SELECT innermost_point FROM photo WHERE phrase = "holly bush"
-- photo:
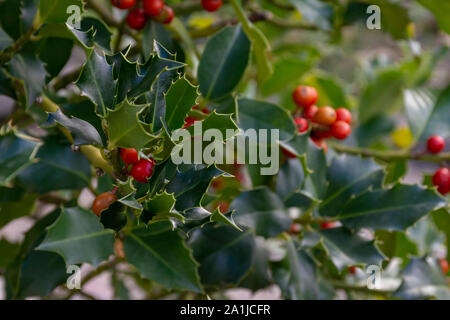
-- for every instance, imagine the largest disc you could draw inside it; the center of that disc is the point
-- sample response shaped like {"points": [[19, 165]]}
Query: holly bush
{"points": [[92, 92]]}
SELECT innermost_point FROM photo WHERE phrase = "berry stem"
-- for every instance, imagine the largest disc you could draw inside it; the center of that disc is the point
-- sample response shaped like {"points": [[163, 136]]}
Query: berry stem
{"points": [[389, 155]]}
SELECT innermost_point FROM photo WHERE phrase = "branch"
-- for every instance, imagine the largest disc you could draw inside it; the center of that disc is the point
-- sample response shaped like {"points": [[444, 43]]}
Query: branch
{"points": [[9, 52], [389, 155]]}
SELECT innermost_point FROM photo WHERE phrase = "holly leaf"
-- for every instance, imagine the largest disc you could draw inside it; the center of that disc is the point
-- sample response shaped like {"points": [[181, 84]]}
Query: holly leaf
{"points": [[83, 132], [349, 176], [58, 168], [257, 115], [220, 122], [438, 8], [160, 61], [158, 207], [31, 71], [440, 117], [190, 186], [160, 255], [17, 153], [289, 178], [315, 12], [8, 252], [419, 106], [5, 40], [316, 180], [15, 203], [301, 281], [259, 275], [126, 73], [423, 278], [179, 99], [125, 129], [79, 237], [223, 62], [348, 248], [260, 45], [224, 253], [263, 211], [392, 209], [97, 83]]}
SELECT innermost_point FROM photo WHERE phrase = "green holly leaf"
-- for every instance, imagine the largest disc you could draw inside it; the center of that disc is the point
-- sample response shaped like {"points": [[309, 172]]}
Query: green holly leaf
{"points": [[198, 217], [315, 12], [190, 186], [223, 62], [438, 8], [253, 114], [224, 253], [126, 73], [259, 275], [8, 252], [316, 180], [160, 61], [17, 153], [156, 98], [440, 117], [101, 33], [159, 207], [160, 255], [289, 178], [125, 129], [263, 211], [15, 203], [79, 237], [301, 281], [179, 99], [35, 273], [392, 209], [347, 177], [57, 12], [297, 145], [348, 248], [58, 168], [114, 217], [5, 40], [418, 106], [97, 83], [83, 132], [31, 71], [54, 52], [220, 122], [423, 278], [260, 45]]}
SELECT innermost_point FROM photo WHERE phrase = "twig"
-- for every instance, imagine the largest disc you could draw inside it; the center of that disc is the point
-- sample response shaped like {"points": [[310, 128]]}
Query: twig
{"points": [[389, 155], [9, 52]]}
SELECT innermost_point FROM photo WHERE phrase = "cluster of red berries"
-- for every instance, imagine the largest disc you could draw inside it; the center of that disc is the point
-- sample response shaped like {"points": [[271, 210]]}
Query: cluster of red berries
{"points": [[141, 169], [189, 120], [326, 121], [137, 17], [441, 178], [211, 5]]}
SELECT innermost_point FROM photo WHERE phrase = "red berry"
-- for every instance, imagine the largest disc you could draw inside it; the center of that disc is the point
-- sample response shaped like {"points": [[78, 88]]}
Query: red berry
{"points": [[305, 96], [295, 228], [441, 179], [136, 19], [343, 114], [223, 206], [123, 4], [352, 270], [129, 156], [142, 170], [211, 5], [302, 124], [328, 225], [189, 121], [103, 201], [321, 134], [310, 111], [444, 265], [435, 144], [340, 130], [166, 15], [325, 116], [153, 7]]}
